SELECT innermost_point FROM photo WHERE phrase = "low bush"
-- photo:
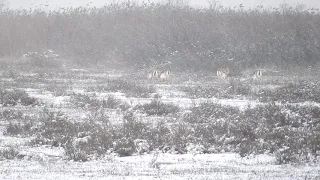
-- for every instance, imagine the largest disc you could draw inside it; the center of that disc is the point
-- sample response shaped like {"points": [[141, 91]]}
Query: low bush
{"points": [[8, 153], [14, 97], [113, 103], [160, 135], [158, 108], [215, 126], [85, 100], [19, 128], [208, 112], [124, 146], [292, 92], [130, 130], [234, 88], [90, 100], [59, 89], [90, 138], [133, 128], [201, 92], [95, 137], [45, 59], [11, 114], [290, 132], [80, 139], [10, 74], [237, 88], [130, 89]]}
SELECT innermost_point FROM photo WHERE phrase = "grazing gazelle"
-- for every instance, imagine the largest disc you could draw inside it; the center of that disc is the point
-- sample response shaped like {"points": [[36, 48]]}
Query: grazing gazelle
{"points": [[153, 74], [257, 74], [223, 73], [164, 75]]}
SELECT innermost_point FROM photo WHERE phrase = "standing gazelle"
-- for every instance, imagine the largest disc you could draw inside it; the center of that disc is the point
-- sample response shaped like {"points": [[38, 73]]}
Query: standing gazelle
{"points": [[164, 75], [257, 74], [223, 73], [153, 74]]}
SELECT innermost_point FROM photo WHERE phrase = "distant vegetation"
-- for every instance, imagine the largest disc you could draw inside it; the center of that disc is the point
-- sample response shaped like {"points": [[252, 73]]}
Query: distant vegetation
{"points": [[142, 35]]}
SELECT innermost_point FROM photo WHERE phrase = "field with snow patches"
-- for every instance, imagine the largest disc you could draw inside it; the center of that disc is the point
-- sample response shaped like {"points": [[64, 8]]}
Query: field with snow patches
{"points": [[77, 95]]}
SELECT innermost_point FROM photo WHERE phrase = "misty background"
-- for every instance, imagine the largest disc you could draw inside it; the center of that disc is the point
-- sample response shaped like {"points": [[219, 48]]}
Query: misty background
{"points": [[128, 34]]}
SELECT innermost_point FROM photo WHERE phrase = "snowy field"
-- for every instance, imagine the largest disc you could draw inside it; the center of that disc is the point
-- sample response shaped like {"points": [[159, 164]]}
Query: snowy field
{"points": [[48, 162], [215, 166], [159, 91]]}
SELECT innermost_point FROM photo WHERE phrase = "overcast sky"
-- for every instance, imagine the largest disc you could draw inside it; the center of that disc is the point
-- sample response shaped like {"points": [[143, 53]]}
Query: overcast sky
{"points": [[63, 3]]}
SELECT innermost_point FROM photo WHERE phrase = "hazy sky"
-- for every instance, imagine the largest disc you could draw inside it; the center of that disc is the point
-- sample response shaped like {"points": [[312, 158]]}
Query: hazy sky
{"points": [[63, 3]]}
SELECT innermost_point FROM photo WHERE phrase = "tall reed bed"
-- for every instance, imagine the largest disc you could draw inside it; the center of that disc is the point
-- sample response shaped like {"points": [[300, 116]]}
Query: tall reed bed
{"points": [[189, 37]]}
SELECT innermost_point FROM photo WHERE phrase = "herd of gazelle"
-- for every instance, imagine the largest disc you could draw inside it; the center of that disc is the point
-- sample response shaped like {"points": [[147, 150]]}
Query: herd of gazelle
{"points": [[157, 74], [222, 73]]}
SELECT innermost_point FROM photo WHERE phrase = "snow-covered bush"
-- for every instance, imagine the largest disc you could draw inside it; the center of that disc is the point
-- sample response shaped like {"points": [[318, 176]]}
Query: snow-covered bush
{"points": [[85, 100], [8, 153], [173, 149], [45, 59], [195, 148], [134, 128], [142, 146], [10, 74], [210, 112], [16, 96], [201, 91], [290, 132], [237, 88], [90, 100], [160, 135], [17, 128], [10, 114], [124, 146], [158, 108], [111, 102], [96, 136], [292, 92], [79, 147], [130, 89], [233, 88], [79, 139]]}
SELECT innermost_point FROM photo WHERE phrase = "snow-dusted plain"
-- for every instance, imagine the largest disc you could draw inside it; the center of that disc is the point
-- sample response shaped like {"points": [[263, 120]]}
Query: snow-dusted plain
{"points": [[215, 166], [47, 162]]}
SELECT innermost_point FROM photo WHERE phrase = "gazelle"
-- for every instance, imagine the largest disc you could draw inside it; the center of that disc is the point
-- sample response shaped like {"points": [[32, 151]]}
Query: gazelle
{"points": [[257, 74], [223, 73], [164, 75], [153, 74]]}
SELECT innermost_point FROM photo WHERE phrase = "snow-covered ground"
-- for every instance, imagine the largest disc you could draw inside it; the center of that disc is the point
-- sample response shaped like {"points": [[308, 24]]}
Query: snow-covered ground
{"points": [[213, 166], [46, 162]]}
